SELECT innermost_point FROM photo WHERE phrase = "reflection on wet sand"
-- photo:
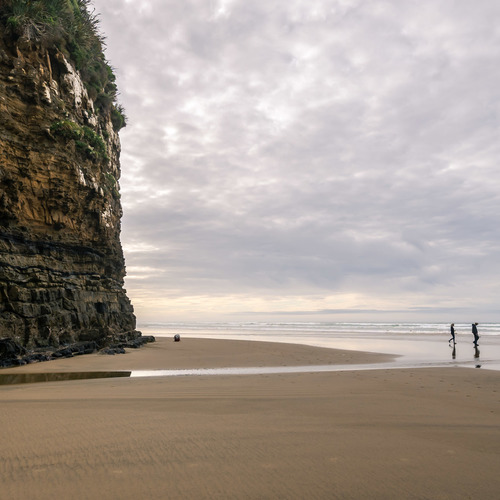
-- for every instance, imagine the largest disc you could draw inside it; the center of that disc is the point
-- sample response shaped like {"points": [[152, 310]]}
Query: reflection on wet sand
{"points": [[476, 355], [30, 378]]}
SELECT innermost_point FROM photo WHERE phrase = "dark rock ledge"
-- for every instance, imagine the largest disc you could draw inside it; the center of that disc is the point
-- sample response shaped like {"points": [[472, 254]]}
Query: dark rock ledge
{"points": [[14, 354]]}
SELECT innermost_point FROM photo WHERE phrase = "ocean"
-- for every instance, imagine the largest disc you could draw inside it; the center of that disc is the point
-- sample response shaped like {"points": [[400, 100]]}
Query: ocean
{"points": [[415, 344], [313, 329]]}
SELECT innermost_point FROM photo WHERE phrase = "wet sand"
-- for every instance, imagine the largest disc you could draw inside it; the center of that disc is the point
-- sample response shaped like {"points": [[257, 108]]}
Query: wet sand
{"points": [[377, 434]]}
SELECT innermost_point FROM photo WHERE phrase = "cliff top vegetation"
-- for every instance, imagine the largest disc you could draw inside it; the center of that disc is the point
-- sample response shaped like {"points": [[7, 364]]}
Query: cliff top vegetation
{"points": [[71, 27]]}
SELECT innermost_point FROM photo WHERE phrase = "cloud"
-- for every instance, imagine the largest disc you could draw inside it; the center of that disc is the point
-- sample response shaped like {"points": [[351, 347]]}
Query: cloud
{"points": [[303, 149]]}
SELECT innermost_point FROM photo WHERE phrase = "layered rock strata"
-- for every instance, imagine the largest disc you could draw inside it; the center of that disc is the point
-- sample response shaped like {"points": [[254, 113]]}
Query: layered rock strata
{"points": [[61, 261]]}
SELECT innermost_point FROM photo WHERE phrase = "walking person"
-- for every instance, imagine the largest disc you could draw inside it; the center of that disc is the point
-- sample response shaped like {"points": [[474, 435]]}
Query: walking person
{"points": [[474, 332], [452, 331]]}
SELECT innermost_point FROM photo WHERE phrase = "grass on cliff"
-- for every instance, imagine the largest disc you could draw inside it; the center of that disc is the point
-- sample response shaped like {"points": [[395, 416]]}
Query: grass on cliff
{"points": [[73, 28], [86, 140]]}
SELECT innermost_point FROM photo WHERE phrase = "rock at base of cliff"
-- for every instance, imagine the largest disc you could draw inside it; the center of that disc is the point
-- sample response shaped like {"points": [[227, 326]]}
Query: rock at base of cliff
{"points": [[14, 354]]}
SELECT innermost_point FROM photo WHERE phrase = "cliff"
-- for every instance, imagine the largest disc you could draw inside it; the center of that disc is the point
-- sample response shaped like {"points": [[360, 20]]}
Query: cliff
{"points": [[61, 261]]}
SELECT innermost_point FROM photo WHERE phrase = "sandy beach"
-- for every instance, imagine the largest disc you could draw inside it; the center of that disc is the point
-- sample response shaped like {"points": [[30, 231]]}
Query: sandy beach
{"points": [[426, 433]]}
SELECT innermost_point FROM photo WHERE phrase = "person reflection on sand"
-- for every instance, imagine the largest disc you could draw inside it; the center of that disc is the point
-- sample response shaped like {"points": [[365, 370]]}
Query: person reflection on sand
{"points": [[476, 355], [454, 352]]}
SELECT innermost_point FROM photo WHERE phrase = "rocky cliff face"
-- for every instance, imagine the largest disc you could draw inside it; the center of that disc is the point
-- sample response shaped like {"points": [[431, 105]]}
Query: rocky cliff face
{"points": [[61, 262]]}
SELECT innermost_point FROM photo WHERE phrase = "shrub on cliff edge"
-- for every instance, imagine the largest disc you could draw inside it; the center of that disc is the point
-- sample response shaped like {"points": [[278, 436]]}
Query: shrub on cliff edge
{"points": [[74, 30]]}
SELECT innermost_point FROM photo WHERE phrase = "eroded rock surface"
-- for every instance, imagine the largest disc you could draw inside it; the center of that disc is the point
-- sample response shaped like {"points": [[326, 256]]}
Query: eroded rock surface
{"points": [[61, 261]]}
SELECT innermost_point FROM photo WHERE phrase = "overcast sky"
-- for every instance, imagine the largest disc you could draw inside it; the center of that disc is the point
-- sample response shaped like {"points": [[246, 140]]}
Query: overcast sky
{"points": [[309, 159]]}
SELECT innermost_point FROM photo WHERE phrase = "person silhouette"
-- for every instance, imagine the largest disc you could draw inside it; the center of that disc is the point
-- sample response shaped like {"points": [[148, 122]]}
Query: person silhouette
{"points": [[452, 331], [474, 332]]}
